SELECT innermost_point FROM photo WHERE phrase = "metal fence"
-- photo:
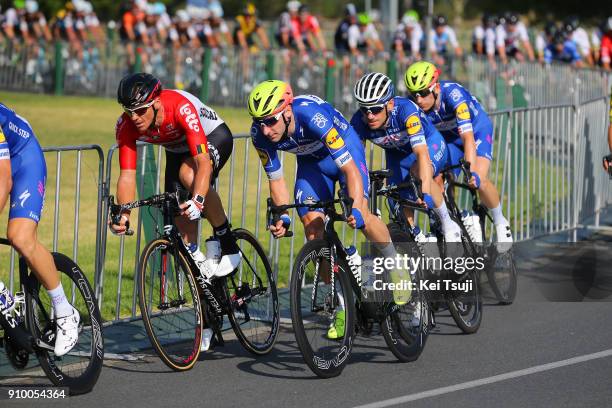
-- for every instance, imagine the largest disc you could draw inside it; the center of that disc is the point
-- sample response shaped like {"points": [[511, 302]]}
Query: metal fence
{"points": [[546, 166]]}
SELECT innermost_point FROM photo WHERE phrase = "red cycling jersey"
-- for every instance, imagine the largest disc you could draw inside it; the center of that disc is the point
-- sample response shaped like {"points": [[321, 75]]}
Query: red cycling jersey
{"points": [[187, 121]]}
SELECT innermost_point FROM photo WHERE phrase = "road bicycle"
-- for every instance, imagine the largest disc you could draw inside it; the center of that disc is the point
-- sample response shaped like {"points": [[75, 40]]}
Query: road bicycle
{"points": [[464, 299], [29, 327], [323, 285], [176, 300], [499, 258]]}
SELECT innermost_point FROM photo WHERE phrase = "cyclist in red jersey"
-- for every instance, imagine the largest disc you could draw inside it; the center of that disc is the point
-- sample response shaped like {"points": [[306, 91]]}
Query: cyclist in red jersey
{"points": [[197, 143]]}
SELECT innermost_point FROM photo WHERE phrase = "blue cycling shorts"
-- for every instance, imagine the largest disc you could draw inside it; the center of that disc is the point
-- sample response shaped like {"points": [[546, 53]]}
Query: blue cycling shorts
{"points": [[401, 164], [29, 174], [315, 180]]}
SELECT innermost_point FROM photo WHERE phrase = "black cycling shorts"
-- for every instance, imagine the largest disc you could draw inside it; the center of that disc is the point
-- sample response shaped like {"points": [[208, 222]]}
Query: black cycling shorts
{"points": [[220, 145]]}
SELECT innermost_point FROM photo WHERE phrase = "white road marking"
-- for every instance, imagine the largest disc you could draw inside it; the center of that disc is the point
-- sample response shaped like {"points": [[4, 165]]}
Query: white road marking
{"points": [[488, 380]]}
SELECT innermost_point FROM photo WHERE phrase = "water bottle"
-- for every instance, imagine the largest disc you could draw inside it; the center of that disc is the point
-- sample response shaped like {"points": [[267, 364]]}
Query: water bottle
{"points": [[354, 260]]}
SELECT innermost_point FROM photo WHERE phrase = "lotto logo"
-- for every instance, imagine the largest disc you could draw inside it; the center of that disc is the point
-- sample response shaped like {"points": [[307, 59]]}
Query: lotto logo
{"points": [[319, 120], [413, 125], [334, 140], [463, 113], [190, 117]]}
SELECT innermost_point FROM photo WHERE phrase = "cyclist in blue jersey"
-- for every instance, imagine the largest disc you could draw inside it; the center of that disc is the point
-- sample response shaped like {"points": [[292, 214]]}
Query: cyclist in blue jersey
{"points": [[328, 151], [467, 129], [412, 144], [23, 174]]}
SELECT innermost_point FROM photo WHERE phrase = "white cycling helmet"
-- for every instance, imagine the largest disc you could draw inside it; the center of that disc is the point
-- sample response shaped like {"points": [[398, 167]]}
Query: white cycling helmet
{"points": [[88, 7], [373, 88], [31, 6], [216, 9], [183, 16], [293, 6]]}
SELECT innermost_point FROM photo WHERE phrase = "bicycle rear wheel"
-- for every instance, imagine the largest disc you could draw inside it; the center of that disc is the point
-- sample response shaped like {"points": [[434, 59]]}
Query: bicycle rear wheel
{"points": [[80, 368], [406, 328], [319, 291], [170, 304], [254, 312]]}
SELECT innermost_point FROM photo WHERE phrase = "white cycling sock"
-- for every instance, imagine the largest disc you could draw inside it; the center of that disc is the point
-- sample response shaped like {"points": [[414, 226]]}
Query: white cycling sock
{"points": [[445, 218], [498, 215], [60, 303]]}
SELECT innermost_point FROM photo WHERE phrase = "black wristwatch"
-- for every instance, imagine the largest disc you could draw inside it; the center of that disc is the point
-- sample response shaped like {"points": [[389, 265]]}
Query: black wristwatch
{"points": [[199, 199]]}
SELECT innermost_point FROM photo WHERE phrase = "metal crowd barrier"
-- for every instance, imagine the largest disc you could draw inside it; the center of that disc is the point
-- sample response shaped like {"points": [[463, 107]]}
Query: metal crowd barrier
{"points": [[77, 234], [547, 167]]}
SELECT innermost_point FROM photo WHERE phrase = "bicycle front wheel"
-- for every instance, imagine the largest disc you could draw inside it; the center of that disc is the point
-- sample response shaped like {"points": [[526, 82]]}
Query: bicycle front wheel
{"points": [[80, 368], [321, 295], [406, 328], [170, 304], [254, 312]]}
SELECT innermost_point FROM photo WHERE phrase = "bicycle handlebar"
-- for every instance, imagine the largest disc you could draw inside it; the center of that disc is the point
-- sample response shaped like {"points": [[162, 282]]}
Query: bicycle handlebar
{"points": [[273, 212]]}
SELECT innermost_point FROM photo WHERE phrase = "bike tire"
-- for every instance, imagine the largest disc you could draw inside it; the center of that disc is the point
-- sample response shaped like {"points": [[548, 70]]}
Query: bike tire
{"points": [[466, 314], [174, 325], [253, 281], [504, 289], [404, 336], [80, 368], [329, 360]]}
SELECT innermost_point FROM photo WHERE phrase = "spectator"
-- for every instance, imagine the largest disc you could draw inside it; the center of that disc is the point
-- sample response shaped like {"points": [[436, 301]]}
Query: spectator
{"points": [[562, 49], [512, 39], [483, 38], [605, 49], [579, 35], [408, 38], [443, 41]]}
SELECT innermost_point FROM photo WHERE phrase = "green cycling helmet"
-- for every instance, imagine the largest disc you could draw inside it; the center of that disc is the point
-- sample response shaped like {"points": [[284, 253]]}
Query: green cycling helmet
{"points": [[268, 98], [363, 19], [421, 75]]}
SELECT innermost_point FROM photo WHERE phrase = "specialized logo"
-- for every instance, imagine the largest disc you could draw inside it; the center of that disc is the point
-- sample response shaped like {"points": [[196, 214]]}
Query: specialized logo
{"points": [[463, 113], [413, 125], [190, 117], [263, 156], [334, 140], [319, 120], [24, 196]]}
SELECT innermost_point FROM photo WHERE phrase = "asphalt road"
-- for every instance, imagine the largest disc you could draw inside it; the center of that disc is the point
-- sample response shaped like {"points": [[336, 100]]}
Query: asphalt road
{"points": [[552, 347]]}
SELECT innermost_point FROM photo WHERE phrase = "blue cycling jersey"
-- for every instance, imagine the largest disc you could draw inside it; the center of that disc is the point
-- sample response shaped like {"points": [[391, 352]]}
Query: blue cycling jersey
{"points": [[569, 53], [459, 112], [320, 132], [15, 132], [28, 169], [323, 141], [406, 128]]}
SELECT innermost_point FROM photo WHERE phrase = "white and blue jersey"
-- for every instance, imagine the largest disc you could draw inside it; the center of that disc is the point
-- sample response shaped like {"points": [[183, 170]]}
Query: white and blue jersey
{"points": [[28, 168], [460, 112], [406, 128], [323, 141]]}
